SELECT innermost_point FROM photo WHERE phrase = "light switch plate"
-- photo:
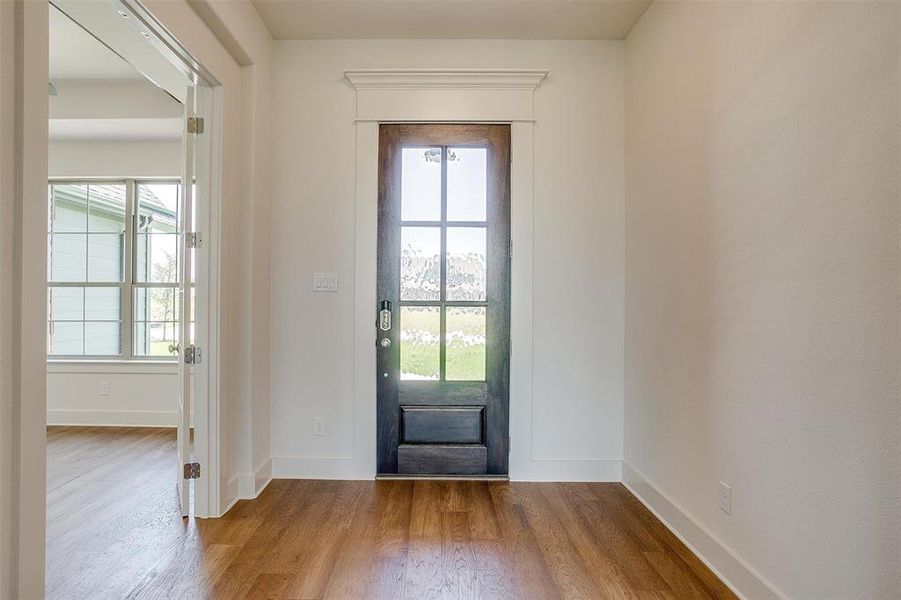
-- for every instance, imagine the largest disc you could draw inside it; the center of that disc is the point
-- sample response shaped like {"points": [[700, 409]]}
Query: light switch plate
{"points": [[325, 282]]}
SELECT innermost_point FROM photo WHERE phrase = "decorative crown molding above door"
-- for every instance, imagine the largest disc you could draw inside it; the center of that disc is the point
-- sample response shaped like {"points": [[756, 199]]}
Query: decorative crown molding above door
{"points": [[447, 78], [442, 95]]}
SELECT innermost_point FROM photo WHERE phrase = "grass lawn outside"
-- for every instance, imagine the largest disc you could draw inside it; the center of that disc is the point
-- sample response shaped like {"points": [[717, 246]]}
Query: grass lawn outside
{"points": [[420, 339]]}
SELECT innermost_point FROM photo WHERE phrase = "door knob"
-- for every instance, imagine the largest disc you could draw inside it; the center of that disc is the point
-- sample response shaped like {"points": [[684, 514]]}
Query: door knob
{"points": [[173, 349]]}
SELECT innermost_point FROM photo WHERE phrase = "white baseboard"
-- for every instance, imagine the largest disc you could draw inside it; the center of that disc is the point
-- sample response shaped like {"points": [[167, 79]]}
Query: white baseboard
{"points": [[302, 467], [112, 418], [732, 570], [248, 487], [231, 494], [567, 470]]}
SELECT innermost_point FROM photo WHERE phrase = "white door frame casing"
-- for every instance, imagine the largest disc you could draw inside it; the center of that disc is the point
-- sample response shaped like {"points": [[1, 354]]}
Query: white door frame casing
{"points": [[29, 314], [433, 96]]}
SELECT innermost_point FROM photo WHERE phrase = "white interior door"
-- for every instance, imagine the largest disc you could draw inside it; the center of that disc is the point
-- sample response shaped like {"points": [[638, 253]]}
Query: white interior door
{"points": [[186, 465], [202, 334]]}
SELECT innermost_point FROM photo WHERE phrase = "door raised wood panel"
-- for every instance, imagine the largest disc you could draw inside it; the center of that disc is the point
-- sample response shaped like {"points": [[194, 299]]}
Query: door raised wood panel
{"points": [[442, 460], [443, 393], [442, 425]]}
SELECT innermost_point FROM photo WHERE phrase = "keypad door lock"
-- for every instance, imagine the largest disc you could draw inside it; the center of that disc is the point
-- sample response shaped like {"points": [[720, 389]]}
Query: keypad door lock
{"points": [[385, 315]]}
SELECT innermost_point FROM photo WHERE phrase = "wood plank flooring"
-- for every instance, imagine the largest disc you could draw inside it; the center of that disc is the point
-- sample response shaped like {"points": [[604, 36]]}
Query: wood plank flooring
{"points": [[114, 531]]}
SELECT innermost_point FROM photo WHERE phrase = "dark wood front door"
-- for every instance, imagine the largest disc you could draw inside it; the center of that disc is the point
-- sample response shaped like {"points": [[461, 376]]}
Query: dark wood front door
{"points": [[443, 314]]}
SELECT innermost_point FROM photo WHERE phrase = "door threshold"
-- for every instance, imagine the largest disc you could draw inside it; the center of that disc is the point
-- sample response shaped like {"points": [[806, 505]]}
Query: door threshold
{"points": [[410, 476]]}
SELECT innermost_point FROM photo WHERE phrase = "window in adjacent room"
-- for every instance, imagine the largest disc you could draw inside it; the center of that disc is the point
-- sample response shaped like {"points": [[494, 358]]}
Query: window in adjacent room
{"points": [[113, 254]]}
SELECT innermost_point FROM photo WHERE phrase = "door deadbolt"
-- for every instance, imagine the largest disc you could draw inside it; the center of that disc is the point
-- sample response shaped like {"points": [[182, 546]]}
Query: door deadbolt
{"points": [[385, 342]]}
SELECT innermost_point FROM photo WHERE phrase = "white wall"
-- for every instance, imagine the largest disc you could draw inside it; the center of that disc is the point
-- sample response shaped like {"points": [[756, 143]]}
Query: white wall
{"points": [[578, 241], [762, 282], [140, 394], [112, 99], [115, 159]]}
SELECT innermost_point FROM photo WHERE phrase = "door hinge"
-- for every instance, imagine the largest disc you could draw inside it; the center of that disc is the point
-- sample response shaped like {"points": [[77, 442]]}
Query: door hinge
{"points": [[194, 240], [195, 124], [192, 470], [193, 355]]}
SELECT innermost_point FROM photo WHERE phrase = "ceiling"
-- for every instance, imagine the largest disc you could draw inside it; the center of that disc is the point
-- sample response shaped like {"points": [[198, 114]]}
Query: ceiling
{"points": [[471, 19], [76, 54]]}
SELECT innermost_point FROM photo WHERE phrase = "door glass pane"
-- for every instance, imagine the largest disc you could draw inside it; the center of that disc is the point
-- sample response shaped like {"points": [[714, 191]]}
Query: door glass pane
{"points": [[420, 268], [420, 188], [466, 260], [106, 208], [69, 209], [465, 350], [467, 184], [68, 254], [420, 335]]}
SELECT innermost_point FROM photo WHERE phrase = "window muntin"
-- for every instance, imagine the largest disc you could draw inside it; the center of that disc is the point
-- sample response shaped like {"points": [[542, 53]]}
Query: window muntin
{"points": [[113, 253]]}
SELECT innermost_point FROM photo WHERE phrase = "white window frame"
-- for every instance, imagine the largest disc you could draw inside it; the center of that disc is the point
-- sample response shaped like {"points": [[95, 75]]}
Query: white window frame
{"points": [[128, 285]]}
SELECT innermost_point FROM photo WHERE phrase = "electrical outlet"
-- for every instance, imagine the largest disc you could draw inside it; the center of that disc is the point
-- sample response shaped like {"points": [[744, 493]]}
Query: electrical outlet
{"points": [[725, 498], [104, 388], [318, 425]]}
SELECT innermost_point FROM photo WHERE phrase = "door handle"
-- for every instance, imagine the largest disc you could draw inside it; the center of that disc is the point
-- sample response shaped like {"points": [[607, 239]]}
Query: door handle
{"points": [[385, 315]]}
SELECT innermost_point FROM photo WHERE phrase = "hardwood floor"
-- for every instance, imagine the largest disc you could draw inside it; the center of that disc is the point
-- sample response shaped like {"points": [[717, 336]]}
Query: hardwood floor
{"points": [[114, 531]]}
